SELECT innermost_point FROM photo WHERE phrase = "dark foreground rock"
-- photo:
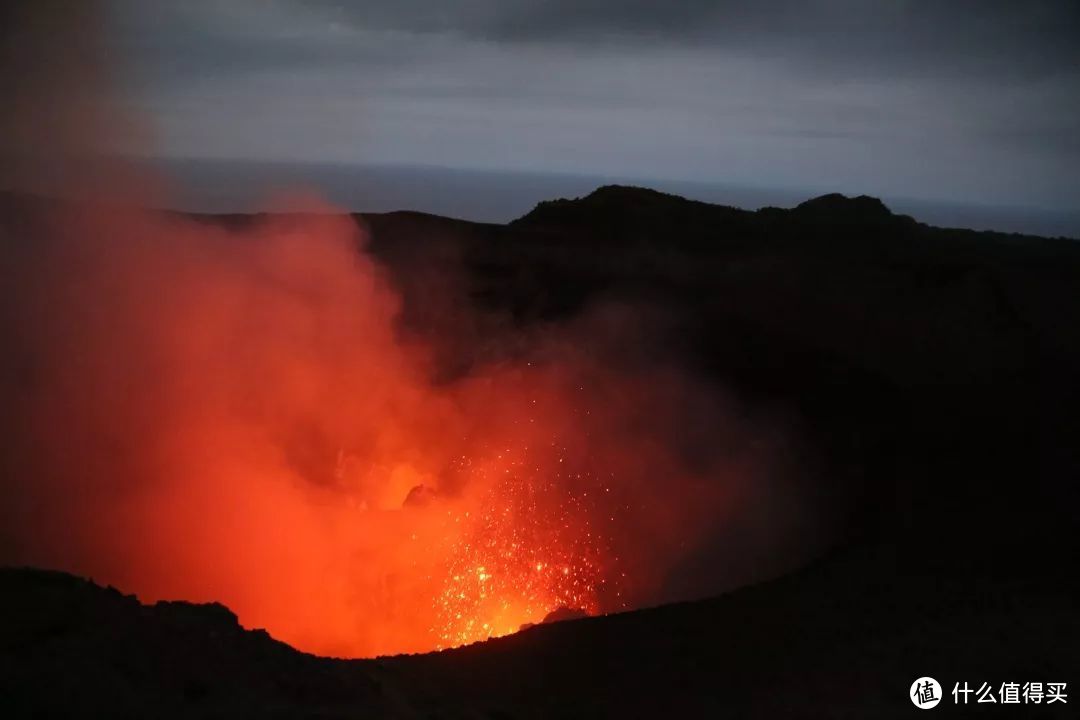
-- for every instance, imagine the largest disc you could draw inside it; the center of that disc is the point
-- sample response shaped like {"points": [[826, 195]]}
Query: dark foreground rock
{"points": [[71, 648], [842, 638]]}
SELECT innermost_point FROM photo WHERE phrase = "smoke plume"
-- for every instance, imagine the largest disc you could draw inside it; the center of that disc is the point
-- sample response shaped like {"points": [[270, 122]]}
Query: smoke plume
{"points": [[205, 410]]}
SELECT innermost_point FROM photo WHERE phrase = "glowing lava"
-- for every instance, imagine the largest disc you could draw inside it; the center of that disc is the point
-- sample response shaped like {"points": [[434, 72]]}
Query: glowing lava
{"points": [[528, 551]]}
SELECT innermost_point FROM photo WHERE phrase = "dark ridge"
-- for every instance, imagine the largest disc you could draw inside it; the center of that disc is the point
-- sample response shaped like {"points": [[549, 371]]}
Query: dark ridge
{"points": [[629, 216], [641, 202], [835, 205], [625, 217], [624, 205], [621, 196]]}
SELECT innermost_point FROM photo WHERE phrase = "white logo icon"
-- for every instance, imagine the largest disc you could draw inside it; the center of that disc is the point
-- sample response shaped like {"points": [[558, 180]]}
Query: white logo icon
{"points": [[925, 693]]}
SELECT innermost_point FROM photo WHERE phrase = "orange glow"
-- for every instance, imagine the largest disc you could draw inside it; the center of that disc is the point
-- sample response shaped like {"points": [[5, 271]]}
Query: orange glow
{"points": [[232, 411], [227, 415], [524, 553]]}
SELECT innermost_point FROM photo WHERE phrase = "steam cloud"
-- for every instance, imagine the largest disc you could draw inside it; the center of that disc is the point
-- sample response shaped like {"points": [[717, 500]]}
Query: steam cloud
{"points": [[208, 412]]}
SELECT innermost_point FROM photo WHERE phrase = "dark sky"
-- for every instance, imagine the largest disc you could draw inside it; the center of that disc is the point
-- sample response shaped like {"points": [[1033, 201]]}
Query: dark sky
{"points": [[969, 100]]}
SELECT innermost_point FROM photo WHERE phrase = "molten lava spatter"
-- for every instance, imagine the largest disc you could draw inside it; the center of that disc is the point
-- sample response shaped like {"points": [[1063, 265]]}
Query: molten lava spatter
{"points": [[527, 551]]}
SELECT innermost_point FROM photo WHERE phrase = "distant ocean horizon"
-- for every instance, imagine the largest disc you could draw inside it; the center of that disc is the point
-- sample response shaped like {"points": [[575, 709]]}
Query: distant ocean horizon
{"points": [[224, 186]]}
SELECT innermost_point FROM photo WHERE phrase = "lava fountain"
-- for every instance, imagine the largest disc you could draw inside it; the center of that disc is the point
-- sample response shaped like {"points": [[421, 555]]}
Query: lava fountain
{"points": [[528, 551]]}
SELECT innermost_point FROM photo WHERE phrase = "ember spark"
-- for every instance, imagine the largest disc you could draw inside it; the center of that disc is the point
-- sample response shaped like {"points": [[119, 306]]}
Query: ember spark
{"points": [[528, 551]]}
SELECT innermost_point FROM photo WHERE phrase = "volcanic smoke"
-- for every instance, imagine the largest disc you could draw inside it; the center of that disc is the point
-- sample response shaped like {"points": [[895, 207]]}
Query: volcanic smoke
{"points": [[234, 412]]}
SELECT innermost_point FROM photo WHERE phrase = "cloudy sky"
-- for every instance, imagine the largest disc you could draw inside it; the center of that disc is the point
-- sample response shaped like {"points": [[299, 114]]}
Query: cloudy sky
{"points": [[971, 101]]}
